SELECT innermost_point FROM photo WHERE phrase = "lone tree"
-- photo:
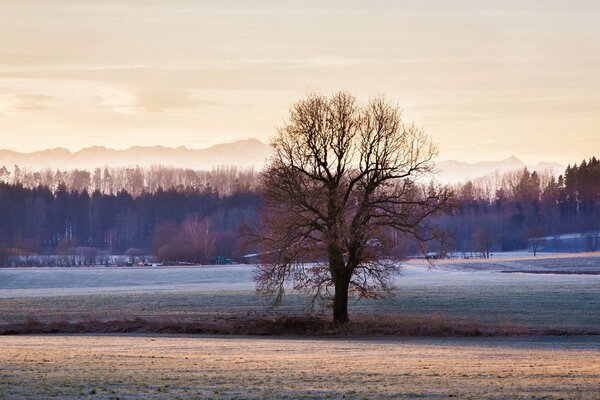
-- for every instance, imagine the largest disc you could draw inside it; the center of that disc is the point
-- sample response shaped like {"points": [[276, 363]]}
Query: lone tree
{"points": [[339, 191], [537, 238]]}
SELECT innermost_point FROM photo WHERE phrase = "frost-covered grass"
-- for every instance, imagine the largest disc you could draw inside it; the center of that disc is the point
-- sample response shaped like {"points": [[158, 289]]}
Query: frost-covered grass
{"points": [[110, 367], [27, 282], [472, 293], [465, 291], [30, 282], [547, 304], [518, 261]]}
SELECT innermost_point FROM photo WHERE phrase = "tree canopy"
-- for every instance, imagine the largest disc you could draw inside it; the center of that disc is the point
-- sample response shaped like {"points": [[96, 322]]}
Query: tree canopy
{"points": [[339, 192]]}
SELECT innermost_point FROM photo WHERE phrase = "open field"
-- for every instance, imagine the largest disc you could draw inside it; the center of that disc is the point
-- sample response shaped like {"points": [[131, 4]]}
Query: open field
{"points": [[475, 294], [108, 367], [472, 292], [561, 263], [31, 282]]}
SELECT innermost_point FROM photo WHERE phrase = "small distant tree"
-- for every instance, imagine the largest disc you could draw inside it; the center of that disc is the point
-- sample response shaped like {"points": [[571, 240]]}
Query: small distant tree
{"points": [[483, 240], [340, 184], [592, 240], [136, 254], [193, 241], [4, 174], [536, 238], [198, 233]]}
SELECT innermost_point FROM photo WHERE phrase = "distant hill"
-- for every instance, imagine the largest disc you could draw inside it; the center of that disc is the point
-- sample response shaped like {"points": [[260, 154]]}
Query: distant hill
{"points": [[243, 153], [457, 171]]}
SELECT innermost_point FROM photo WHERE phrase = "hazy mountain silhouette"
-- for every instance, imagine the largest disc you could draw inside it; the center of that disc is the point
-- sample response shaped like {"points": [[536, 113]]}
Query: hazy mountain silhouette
{"points": [[457, 171], [243, 153]]}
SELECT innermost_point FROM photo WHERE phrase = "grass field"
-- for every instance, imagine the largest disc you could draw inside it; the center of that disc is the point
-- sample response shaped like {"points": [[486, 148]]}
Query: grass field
{"points": [[474, 292], [111, 367], [553, 306], [455, 293]]}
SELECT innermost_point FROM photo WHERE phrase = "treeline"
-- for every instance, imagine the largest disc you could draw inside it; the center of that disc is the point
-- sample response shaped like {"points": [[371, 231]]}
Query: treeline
{"points": [[178, 224], [195, 216], [136, 180], [525, 209]]}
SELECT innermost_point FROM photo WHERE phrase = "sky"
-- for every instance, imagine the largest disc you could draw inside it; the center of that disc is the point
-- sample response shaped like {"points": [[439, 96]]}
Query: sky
{"points": [[486, 79]]}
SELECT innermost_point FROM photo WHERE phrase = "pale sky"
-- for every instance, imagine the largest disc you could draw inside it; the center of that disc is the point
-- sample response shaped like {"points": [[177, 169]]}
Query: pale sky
{"points": [[486, 79]]}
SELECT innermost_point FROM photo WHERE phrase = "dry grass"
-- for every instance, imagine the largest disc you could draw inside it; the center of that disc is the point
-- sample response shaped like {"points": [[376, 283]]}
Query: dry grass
{"points": [[384, 325], [186, 367]]}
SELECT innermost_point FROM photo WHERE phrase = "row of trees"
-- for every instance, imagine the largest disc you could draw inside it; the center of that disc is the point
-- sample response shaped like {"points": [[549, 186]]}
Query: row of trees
{"points": [[223, 180], [523, 209], [42, 221], [505, 212]]}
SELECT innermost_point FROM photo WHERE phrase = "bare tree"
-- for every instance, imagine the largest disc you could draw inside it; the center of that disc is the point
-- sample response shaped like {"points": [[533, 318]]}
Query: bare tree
{"points": [[483, 240], [537, 239], [341, 182], [200, 235]]}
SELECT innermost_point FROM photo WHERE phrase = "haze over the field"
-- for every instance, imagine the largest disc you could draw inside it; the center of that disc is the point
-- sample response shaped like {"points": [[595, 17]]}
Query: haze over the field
{"points": [[486, 79]]}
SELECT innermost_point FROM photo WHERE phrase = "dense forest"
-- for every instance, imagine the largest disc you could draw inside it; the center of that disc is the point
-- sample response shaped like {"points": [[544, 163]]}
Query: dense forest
{"points": [[195, 216], [188, 224], [527, 210]]}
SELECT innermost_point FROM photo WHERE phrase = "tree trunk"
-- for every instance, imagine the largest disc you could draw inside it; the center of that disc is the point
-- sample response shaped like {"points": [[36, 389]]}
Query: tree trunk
{"points": [[340, 301]]}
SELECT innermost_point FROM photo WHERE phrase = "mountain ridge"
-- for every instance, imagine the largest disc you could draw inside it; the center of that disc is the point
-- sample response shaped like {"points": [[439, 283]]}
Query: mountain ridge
{"points": [[243, 153], [452, 171]]}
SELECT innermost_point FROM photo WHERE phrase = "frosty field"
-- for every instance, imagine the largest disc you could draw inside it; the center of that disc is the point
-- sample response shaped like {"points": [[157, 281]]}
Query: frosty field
{"points": [[481, 292], [111, 367], [559, 294]]}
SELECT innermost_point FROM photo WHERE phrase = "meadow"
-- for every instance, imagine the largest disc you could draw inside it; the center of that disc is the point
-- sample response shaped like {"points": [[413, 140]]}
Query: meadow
{"points": [[112, 367], [473, 292], [459, 329]]}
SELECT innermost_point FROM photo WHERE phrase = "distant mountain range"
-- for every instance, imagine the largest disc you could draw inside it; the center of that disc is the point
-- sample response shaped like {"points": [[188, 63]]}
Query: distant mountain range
{"points": [[457, 171], [243, 153]]}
